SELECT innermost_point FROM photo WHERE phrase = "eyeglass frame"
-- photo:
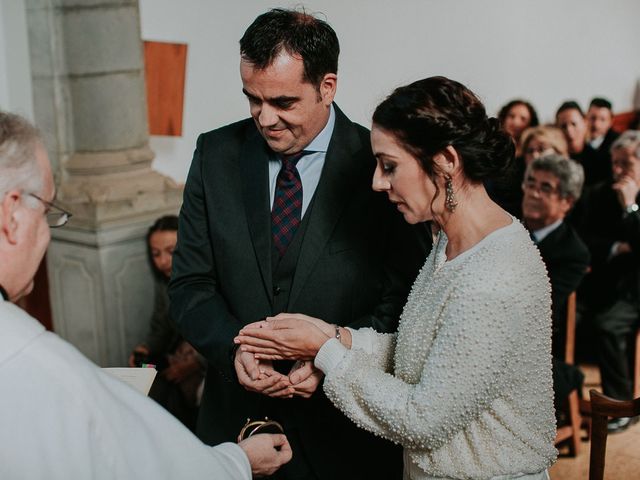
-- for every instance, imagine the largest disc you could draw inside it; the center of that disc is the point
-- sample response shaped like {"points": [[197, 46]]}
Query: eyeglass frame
{"points": [[64, 214], [539, 188]]}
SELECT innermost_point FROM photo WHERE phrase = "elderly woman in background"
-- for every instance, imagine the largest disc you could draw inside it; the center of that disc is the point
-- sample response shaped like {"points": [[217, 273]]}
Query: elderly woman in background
{"points": [[465, 384]]}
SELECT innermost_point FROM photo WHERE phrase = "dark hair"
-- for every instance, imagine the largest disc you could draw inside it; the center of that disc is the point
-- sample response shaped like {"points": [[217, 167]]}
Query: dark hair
{"points": [[428, 115], [569, 105], [297, 33], [504, 111], [600, 102], [162, 224]]}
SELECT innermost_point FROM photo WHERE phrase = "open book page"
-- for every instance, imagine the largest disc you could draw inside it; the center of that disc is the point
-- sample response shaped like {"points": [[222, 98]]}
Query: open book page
{"points": [[139, 378]]}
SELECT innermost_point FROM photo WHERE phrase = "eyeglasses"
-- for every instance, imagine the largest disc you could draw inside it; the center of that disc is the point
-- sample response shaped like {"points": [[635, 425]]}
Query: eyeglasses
{"points": [[56, 216], [544, 188]]}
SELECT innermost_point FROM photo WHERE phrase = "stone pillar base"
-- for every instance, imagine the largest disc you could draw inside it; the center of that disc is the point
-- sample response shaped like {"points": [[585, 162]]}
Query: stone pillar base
{"points": [[115, 188]]}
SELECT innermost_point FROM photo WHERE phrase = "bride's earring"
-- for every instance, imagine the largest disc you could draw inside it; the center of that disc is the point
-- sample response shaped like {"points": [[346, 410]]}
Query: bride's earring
{"points": [[450, 200]]}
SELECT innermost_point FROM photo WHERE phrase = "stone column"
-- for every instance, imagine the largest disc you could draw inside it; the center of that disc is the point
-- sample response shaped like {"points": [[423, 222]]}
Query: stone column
{"points": [[89, 99]]}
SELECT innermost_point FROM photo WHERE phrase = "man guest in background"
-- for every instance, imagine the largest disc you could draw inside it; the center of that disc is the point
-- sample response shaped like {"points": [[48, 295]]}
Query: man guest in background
{"points": [[551, 186], [279, 216], [601, 135], [609, 221], [61, 416]]}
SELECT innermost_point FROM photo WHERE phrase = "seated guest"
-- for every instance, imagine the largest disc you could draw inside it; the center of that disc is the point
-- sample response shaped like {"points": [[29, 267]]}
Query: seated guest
{"points": [[570, 119], [181, 369], [601, 135], [61, 415], [516, 116], [600, 123], [609, 222], [542, 140], [534, 142], [551, 187]]}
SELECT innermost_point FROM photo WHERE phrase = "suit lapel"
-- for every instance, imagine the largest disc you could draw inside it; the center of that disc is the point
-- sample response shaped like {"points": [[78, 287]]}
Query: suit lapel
{"points": [[254, 165], [330, 198]]}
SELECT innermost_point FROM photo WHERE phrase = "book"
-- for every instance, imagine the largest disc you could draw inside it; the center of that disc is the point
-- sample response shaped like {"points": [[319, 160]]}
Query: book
{"points": [[139, 378]]}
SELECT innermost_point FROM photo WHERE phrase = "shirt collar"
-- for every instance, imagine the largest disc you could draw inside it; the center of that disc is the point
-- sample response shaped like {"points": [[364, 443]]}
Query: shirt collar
{"points": [[4, 293], [544, 231], [596, 142], [321, 142]]}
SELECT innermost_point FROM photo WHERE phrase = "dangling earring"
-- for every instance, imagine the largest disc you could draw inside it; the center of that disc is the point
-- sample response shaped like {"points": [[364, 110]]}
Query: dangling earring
{"points": [[450, 199]]}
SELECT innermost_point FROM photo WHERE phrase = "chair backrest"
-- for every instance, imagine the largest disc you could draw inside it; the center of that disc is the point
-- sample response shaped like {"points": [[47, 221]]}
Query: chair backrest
{"points": [[570, 339], [603, 407]]}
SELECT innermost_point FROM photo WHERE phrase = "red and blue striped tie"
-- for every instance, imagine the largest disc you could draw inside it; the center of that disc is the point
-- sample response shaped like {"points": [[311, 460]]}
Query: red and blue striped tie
{"points": [[287, 203]]}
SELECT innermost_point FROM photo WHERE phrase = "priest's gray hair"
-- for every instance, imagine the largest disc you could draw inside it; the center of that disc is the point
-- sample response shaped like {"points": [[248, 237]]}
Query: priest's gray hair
{"points": [[19, 168]]}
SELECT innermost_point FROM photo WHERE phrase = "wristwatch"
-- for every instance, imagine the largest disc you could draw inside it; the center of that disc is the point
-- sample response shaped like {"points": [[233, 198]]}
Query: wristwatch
{"points": [[629, 209]]}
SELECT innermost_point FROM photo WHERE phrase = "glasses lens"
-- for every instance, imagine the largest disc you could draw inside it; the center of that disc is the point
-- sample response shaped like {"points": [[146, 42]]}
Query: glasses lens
{"points": [[57, 219]]}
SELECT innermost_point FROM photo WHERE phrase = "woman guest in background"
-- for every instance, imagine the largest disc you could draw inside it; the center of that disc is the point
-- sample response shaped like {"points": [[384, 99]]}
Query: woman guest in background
{"points": [[465, 383], [542, 140], [181, 369], [516, 116]]}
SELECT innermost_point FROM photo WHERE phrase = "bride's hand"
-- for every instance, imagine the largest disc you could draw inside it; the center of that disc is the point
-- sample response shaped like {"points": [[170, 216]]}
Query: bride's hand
{"points": [[286, 336]]}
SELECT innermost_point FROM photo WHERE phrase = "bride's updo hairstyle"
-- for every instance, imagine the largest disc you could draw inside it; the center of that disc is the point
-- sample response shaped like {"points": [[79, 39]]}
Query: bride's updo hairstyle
{"points": [[428, 115]]}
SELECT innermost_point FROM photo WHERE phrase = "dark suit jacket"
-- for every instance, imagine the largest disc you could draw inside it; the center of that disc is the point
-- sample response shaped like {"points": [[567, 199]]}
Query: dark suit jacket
{"points": [[600, 221], [597, 162], [356, 262], [567, 258]]}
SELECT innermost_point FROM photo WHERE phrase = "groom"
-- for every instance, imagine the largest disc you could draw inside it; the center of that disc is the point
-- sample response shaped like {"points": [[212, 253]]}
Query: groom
{"points": [[279, 216]]}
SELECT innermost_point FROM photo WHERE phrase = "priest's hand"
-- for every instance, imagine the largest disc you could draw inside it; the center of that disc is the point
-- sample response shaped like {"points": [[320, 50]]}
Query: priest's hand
{"points": [[266, 452]]}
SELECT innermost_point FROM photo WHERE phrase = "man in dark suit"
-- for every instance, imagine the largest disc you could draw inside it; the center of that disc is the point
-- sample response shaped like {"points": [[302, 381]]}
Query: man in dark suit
{"points": [[601, 136], [595, 161], [552, 184], [609, 221], [551, 187], [279, 216]]}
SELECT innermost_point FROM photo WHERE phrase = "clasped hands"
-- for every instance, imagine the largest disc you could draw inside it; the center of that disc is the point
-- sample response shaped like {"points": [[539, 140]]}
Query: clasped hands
{"points": [[287, 336]]}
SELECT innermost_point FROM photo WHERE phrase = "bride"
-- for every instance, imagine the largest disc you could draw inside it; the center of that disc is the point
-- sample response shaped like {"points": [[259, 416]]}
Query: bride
{"points": [[465, 384]]}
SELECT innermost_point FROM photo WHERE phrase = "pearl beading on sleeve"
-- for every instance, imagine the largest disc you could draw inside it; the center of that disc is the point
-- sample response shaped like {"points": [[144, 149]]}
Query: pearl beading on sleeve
{"points": [[471, 391]]}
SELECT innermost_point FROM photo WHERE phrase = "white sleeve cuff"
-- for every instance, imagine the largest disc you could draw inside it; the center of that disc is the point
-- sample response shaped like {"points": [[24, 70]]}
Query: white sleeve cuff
{"points": [[236, 456], [330, 355], [361, 339]]}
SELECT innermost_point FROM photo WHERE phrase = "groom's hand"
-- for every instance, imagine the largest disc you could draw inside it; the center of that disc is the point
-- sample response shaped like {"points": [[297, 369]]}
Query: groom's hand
{"points": [[260, 377]]}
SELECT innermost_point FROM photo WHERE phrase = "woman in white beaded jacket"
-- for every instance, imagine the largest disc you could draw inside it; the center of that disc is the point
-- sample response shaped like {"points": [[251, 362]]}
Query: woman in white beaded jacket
{"points": [[465, 384]]}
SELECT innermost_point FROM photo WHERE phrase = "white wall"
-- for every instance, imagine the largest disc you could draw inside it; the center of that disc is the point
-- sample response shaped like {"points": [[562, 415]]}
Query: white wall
{"points": [[543, 50], [15, 71]]}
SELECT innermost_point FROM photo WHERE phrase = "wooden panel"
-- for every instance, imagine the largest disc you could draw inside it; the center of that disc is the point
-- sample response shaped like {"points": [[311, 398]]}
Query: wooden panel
{"points": [[622, 121], [37, 303], [165, 75]]}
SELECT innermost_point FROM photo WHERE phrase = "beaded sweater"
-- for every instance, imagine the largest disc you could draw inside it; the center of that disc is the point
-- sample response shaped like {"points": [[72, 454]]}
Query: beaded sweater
{"points": [[465, 384]]}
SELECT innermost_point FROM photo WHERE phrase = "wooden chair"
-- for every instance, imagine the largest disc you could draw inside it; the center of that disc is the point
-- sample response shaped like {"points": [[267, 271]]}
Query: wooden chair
{"points": [[603, 407], [636, 367], [571, 431]]}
